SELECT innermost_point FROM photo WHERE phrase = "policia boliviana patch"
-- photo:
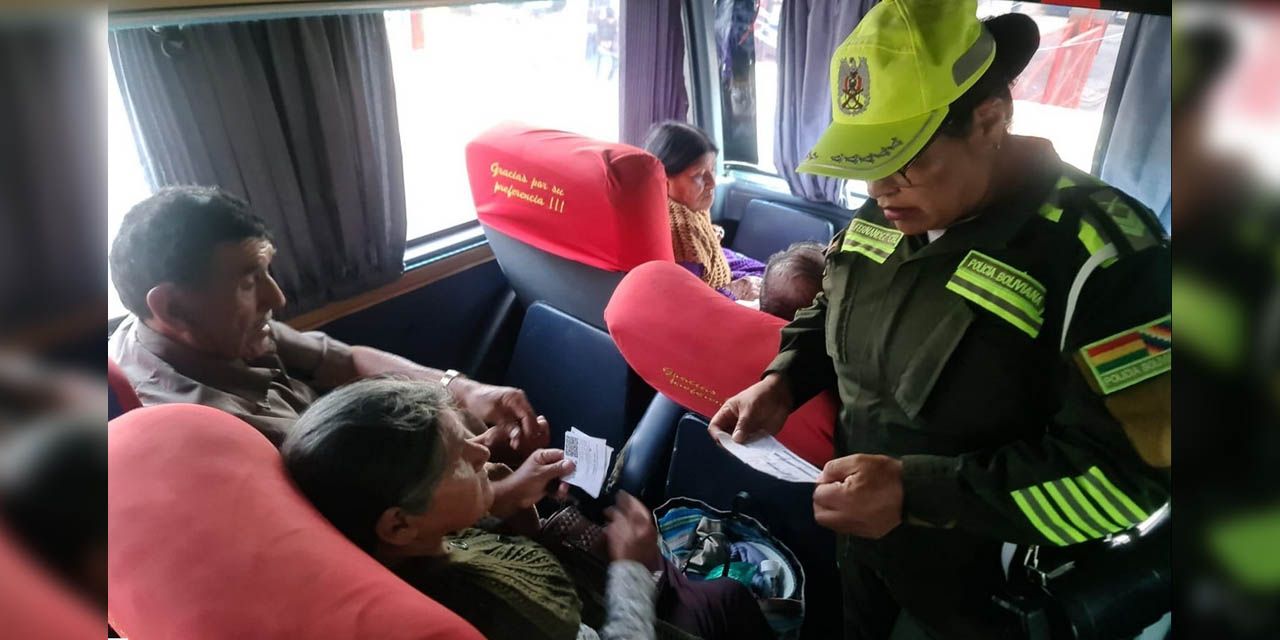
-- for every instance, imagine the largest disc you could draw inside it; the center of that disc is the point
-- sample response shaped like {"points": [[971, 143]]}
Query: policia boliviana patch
{"points": [[1131, 356], [871, 240], [1001, 289]]}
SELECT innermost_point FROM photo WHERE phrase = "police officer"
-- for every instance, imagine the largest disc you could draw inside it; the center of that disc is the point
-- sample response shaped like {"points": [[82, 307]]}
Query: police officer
{"points": [[996, 324]]}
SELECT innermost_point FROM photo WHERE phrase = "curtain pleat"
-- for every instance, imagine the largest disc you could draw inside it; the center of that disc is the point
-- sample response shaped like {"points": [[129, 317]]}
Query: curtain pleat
{"points": [[651, 87], [298, 117], [808, 35]]}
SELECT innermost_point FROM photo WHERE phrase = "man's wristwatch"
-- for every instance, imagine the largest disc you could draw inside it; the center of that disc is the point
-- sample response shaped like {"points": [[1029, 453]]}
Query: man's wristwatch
{"points": [[450, 376]]}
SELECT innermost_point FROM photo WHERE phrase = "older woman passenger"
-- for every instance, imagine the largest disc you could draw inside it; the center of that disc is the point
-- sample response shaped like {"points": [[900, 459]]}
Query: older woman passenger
{"points": [[391, 465], [689, 157]]}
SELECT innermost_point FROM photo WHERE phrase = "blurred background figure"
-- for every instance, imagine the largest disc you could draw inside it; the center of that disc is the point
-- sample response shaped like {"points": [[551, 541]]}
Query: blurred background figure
{"points": [[1226, 299], [52, 479], [607, 45], [52, 306]]}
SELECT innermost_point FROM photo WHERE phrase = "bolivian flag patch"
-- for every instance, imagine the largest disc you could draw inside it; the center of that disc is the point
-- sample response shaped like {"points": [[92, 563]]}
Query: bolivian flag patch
{"points": [[1131, 356]]}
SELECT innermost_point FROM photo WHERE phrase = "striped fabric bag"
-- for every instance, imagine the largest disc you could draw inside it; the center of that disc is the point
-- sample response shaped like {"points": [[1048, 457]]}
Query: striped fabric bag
{"points": [[678, 537]]}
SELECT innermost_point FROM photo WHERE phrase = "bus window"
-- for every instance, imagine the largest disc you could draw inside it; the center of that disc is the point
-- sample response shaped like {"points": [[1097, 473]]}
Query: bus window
{"points": [[1062, 92], [126, 180], [1060, 96], [747, 54], [460, 70]]}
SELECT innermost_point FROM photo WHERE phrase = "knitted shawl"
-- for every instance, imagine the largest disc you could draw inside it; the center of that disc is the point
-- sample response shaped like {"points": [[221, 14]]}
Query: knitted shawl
{"points": [[694, 240], [507, 587]]}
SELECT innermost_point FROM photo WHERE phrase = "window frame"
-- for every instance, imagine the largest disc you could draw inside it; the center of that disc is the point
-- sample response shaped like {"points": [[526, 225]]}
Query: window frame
{"points": [[421, 251]]}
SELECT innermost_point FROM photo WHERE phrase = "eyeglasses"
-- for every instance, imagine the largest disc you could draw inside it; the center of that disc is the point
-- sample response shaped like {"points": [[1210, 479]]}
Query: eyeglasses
{"points": [[903, 171]]}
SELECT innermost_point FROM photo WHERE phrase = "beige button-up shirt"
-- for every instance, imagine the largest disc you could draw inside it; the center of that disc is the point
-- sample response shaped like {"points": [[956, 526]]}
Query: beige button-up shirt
{"points": [[268, 393]]}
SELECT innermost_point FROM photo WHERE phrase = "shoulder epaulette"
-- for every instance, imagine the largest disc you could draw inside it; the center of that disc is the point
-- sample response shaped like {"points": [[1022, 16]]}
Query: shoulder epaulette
{"points": [[1101, 215]]}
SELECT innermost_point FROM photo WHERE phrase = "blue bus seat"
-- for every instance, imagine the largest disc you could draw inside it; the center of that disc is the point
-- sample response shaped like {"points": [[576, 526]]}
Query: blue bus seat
{"points": [[644, 468], [574, 375], [701, 469], [769, 227]]}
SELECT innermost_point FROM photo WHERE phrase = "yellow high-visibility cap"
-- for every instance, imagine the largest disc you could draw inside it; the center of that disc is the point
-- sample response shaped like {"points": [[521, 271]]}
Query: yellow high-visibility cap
{"points": [[893, 78]]}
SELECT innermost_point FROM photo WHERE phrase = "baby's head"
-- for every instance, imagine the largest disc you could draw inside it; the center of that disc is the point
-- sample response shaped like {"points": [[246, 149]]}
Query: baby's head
{"points": [[792, 279]]}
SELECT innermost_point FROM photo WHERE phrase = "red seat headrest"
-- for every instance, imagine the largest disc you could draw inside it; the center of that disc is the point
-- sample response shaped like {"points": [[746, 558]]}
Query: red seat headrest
{"points": [[599, 203], [699, 348], [210, 539], [119, 384]]}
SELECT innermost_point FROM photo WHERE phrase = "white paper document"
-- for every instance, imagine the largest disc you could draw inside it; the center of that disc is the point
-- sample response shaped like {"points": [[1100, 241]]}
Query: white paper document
{"points": [[590, 456], [767, 455]]}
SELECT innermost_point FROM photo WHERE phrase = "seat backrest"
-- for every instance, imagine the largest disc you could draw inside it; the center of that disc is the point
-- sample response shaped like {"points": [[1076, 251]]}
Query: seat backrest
{"points": [[574, 375], [769, 227], [701, 469], [120, 394], [534, 274], [565, 214], [34, 606], [643, 471], [699, 348], [209, 538]]}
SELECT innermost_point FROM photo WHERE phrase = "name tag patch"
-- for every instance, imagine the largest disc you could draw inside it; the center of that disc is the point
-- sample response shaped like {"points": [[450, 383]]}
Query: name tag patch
{"points": [[1001, 289], [871, 240], [1131, 356]]}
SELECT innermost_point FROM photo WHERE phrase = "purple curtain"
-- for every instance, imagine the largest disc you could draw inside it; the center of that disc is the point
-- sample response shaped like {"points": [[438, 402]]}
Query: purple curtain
{"points": [[809, 33], [652, 82], [298, 117]]}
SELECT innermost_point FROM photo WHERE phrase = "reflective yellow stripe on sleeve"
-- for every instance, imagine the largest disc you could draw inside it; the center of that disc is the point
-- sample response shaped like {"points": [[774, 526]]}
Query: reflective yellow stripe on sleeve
{"points": [[1102, 522], [1062, 513], [1019, 497], [1128, 504], [1054, 517], [1067, 508]]}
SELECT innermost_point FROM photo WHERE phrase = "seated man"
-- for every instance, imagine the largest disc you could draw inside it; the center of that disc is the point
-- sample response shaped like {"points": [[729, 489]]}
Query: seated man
{"points": [[191, 264], [389, 464], [792, 279]]}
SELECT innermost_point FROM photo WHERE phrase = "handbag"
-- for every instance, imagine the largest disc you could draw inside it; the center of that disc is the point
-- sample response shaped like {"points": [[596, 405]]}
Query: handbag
{"points": [[687, 528], [569, 529]]}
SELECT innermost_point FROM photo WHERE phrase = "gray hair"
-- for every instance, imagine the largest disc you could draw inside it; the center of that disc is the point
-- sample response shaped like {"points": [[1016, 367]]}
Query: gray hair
{"points": [[369, 446]]}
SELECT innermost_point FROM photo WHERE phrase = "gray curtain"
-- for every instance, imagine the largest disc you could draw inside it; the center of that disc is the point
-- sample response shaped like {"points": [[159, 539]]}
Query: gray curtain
{"points": [[809, 33], [297, 116], [1134, 143], [651, 87]]}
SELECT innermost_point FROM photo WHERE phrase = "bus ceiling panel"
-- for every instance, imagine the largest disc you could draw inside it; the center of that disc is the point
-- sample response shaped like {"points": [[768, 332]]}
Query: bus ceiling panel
{"points": [[1154, 7], [130, 14]]}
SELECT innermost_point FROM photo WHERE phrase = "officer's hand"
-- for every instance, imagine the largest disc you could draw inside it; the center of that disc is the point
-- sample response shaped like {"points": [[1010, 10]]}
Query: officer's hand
{"points": [[859, 495], [761, 409]]}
